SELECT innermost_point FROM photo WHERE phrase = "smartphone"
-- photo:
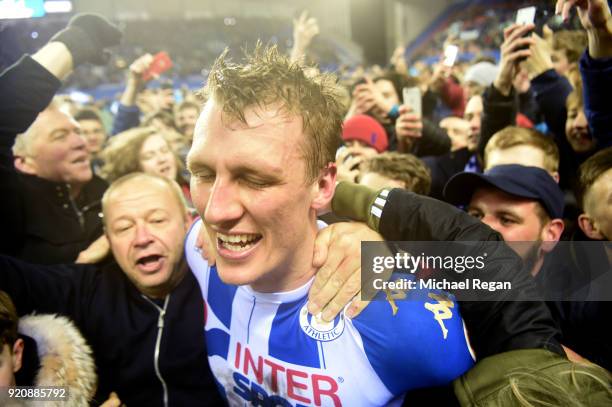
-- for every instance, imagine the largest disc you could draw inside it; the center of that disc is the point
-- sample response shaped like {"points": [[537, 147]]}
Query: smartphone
{"points": [[160, 64], [412, 98], [526, 15], [450, 55]]}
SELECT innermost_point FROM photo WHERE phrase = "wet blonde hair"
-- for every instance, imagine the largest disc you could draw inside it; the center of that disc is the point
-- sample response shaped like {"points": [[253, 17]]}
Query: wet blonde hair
{"points": [[268, 77]]}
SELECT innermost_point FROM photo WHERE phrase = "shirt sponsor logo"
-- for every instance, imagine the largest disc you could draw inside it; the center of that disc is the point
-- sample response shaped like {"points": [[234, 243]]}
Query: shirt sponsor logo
{"points": [[259, 380]]}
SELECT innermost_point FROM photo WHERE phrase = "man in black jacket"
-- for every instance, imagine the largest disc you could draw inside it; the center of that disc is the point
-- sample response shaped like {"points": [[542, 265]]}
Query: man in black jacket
{"points": [[143, 314], [50, 198]]}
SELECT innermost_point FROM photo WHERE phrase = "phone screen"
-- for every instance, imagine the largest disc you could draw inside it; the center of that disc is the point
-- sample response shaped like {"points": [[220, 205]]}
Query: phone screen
{"points": [[160, 64], [412, 98], [526, 15], [450, 55]]}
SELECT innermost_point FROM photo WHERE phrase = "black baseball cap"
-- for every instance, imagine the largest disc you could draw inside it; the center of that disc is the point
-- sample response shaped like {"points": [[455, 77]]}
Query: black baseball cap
{"points": [[519, 180]]}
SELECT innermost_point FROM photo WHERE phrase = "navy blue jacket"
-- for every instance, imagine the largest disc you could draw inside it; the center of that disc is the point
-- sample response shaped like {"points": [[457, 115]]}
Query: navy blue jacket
{"points": [[597, 88]]}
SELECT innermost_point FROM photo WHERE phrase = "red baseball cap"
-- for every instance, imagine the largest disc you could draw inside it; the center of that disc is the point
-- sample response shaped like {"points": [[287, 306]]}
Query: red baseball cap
{"points": [[367, 129]]}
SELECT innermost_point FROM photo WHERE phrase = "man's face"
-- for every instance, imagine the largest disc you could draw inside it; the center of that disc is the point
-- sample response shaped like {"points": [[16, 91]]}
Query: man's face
{"points": [[458, 130], [358, 148], [165, 98], [526, 155], [94, 134], [577, 130], [58, 152], [560, 61], [157, 158], [598, 204], [248, 182], [473, 114], [387, 91], [146, 226], [515, 218], [186, 120], [378, 181]]}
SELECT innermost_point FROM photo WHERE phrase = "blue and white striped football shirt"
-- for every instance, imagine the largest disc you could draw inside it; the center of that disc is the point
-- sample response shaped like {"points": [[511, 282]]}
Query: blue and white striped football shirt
{"points": [[265, 349]]}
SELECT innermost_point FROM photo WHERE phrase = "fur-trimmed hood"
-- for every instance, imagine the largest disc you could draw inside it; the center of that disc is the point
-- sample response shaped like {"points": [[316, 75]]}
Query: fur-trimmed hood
{"points": [[65, 358]]}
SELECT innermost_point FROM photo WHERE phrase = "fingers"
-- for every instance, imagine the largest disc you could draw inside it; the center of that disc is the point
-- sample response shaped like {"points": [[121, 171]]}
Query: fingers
{"points": [[517, 32], [408, 124], [343, 282], [348, 290], [339, 279], [403, 109], [354, 162], [141, 64], [316, 296], [566, 9], [320, 249], [207, 250], [520, 48], [303, 17], [342, 155], [113, 401], [356, 306]]}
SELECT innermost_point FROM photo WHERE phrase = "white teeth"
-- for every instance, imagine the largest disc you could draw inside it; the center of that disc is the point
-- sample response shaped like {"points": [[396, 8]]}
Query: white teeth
{"points": [[236, 238], [236, 248], [237, 243]]}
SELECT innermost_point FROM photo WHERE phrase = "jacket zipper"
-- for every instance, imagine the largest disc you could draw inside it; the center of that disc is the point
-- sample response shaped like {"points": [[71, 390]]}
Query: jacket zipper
{"points": [[160, 329], [78, 212]]}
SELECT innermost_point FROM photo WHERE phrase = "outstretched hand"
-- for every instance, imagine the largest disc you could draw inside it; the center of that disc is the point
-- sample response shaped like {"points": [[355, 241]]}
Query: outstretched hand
{"points": [[596, 19], [514, 48]]}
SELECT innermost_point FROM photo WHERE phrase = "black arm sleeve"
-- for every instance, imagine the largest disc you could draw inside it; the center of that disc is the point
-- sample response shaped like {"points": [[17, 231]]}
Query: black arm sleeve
{"points": [[61, 289], [26, 89], [434, 142], [499, 111], [502, 320]]}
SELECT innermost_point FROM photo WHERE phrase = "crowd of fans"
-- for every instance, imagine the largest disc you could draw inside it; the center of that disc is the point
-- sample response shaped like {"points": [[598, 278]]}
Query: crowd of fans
{"points": [[522, 143]]}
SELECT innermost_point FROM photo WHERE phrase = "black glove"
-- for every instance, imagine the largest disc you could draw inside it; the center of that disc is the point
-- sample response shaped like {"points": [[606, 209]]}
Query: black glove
{"points": [[86, 36]]}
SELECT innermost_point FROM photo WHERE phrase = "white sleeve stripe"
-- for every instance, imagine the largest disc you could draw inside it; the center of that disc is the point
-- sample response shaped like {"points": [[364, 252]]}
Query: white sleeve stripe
{"points": [[376, 211], [380, 202], [384, 193]]}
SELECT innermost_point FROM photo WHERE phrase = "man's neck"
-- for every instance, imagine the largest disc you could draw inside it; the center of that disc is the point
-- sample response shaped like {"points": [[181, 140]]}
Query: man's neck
{"points": [[74, 189], [537, 266], [159, 293]]}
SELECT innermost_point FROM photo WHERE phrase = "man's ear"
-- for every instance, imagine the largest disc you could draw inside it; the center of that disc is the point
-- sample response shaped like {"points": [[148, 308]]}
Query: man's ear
{"points": [[324, 188], [17, 354], [551, 234], [25, 165], [589, 228]]}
